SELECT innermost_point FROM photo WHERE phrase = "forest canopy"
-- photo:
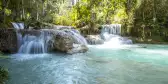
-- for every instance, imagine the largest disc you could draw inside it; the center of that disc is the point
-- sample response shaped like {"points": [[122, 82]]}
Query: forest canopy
{"points": [[140, 18]]}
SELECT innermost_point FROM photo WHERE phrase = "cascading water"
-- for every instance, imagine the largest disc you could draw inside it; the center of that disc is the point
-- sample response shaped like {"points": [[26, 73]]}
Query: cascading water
{"points": [[112, 29], [36, 44], [76, 35], [111, 35], [43, 42], [32, 44], [18, 26]]}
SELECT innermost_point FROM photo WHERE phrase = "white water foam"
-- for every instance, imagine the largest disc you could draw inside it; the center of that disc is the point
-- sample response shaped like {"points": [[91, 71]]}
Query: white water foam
{"points": [[111, 35], [24, 57]]}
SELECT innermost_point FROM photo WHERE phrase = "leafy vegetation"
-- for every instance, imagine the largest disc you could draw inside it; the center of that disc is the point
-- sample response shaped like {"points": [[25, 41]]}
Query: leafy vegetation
{"points": [[3, 75], [140, 18]]}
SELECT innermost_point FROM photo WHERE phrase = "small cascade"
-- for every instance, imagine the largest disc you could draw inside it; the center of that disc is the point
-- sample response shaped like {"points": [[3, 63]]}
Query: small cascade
{"points": [[32, 44], [111, 35], [48, 35], [112, 29], [36, 44], [77, 36], [18, 26]]}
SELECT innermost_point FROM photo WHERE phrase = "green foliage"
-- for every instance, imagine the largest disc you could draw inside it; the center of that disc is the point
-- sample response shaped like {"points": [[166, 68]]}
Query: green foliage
{"points": [[7, 12], [3, 75], [100, 12], [84, 12], [66, 17], [141, 18], [62, 20], [23, 10], [150, 19]]}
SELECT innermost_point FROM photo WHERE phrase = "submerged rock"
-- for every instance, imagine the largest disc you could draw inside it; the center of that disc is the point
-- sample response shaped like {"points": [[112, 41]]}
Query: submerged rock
{"points": [[94, 39], [77, 48]]}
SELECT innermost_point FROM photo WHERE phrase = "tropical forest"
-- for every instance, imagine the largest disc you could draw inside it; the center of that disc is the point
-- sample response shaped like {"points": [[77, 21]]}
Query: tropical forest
{"points": [[83, 41]]}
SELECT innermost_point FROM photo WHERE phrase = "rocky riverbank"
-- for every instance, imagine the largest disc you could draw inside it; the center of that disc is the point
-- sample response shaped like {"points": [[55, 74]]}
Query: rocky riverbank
{"points": [[147, 41]]}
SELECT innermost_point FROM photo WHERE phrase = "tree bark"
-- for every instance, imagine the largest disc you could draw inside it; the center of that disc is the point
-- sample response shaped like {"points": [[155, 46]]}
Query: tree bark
{"points": [[3, 10], [43, 1], [37, 14], [23, 11]]}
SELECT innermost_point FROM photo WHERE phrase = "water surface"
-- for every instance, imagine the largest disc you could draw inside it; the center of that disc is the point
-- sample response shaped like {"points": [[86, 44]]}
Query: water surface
{"points": [[131, 64]]}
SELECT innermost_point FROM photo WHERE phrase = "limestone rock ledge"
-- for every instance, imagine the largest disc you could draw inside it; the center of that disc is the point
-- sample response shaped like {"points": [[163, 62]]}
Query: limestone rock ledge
{"points": [[8, 41], [61, 41]]}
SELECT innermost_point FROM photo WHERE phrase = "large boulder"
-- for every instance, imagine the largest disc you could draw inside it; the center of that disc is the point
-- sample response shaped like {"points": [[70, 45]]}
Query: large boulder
{"points": [[94, 39], [65, 43]]}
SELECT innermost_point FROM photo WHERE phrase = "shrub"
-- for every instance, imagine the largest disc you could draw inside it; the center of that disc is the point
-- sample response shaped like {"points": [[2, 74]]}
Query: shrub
{"points": [[4, 76]]}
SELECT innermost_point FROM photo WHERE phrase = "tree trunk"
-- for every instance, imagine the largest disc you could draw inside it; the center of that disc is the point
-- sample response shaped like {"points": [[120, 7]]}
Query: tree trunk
{"points": [[3, 10], [37, 14], [43, 7], [143, 30], [154, 11], [106, 17], [23, 11]]}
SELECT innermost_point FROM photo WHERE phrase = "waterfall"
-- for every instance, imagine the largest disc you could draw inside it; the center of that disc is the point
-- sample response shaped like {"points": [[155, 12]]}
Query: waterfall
{"points": [[18, 26], [36, 44], [33, 43], [112, 29], [111, 35]]}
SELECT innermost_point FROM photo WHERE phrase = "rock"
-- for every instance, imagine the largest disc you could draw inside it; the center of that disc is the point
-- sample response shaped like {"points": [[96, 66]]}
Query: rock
{"points": [[30, 32], [63, 42], [8, 41], [94, 39], [77, 48], [126, 40]]}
